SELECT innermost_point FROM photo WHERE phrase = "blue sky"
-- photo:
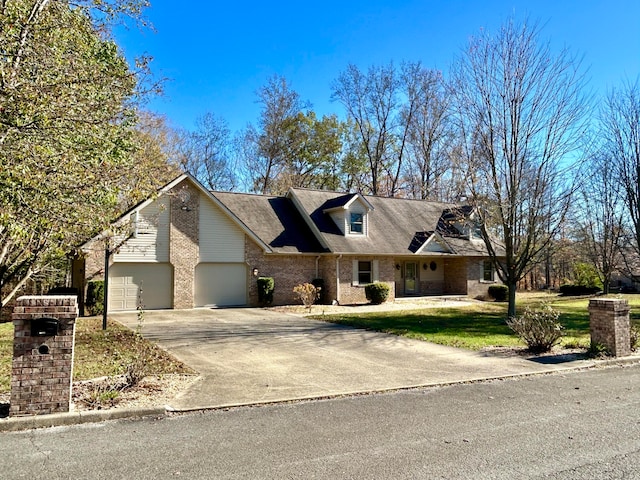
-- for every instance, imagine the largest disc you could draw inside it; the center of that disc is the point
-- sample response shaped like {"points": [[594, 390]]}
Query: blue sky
{"points": [[217, 54]]}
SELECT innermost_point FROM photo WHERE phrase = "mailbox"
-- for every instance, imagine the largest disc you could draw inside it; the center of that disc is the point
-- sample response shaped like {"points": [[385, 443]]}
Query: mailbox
{"points": [[44, 327]]}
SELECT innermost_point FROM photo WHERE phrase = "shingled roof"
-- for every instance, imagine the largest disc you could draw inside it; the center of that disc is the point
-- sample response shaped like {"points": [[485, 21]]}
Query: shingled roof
{"points": [[395, 226], [274, 220]]}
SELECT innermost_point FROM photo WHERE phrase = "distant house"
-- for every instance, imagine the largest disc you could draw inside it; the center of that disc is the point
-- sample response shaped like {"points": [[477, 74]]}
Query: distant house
{"points": [[188, 247]]}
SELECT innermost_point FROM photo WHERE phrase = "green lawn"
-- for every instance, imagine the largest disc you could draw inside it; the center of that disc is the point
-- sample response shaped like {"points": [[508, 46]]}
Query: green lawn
{"points": [[479, 325], [6, 355]]}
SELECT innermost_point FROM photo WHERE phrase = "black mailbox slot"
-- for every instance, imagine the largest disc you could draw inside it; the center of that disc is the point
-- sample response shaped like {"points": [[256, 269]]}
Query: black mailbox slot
{"points": [[44, 327]]}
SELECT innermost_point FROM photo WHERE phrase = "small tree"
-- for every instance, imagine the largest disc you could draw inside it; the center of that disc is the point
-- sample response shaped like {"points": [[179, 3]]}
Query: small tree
{"points": [[307, 293]]}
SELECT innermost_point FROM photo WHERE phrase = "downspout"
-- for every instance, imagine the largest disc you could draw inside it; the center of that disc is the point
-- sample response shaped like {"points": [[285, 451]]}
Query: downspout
{"points": [[317, 260], [338, 278]]}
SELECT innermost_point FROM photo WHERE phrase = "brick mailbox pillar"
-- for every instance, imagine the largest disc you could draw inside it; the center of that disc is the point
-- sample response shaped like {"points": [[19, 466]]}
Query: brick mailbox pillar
{"points": [[610, 325], [41, 372]]}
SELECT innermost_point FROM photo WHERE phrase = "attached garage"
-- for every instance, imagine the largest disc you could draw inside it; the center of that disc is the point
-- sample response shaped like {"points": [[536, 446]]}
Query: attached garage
{"points": [[221, 284], [127, 280]]}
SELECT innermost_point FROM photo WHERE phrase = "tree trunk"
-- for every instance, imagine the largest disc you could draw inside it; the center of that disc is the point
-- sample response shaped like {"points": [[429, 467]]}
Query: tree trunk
{"points": [[511, 310]]}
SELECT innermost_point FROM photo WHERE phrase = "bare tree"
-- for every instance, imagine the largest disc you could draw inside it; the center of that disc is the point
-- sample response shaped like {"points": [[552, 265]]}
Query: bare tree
{"points": [[371, 101], [430, 136], [520, 110], [602, 218], [620, 122], [279, 105], [205, 153]]}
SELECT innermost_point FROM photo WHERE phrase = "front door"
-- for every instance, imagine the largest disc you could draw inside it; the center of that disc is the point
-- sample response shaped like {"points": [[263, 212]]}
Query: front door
{"points": [[410, 278]]}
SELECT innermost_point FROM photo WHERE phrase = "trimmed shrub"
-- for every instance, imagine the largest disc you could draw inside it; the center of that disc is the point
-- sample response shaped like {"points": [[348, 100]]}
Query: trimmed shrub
{"points": [[498, 292], [63, 291], [571, 290], [95, 297], [319, 284], [539, 329], [377, 292], [266, 285]]}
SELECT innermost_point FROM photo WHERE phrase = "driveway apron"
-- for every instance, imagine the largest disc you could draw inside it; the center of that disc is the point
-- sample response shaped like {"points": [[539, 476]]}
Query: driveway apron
{"points": [[248, 356]]}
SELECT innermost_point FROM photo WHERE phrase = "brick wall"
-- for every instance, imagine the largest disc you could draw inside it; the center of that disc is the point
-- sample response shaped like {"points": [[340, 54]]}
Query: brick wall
{"points": [[350, 293], [42, 366], [609, 325], [286, 270], [455, 276], [476, 287], [184, 246]]}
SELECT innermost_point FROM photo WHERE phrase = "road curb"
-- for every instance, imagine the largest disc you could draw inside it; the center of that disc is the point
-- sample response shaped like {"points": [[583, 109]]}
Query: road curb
{"points": [[595, 363], [13, 424]]}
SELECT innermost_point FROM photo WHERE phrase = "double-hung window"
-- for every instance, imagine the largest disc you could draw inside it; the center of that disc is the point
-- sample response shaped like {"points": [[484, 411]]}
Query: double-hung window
{"points": [[487, 271], [356, 223], [364, 273]]}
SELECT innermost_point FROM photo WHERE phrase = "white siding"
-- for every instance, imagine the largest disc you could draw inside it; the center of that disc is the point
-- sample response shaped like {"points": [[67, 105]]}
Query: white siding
{"points": [[149, 241], [435, 246], [339, 218], [221, 240]]}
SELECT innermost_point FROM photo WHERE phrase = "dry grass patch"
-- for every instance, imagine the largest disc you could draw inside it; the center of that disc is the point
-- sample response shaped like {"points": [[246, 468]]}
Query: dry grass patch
{"points": [[115, 352]]}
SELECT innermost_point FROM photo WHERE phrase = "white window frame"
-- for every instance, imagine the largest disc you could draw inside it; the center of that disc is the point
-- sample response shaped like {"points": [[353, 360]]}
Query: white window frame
{"points": [[374, 265], [360, 223]]}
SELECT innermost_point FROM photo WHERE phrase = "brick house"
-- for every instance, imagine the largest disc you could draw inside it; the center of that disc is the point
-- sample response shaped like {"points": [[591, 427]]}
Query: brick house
{"points": [[188, 247]]}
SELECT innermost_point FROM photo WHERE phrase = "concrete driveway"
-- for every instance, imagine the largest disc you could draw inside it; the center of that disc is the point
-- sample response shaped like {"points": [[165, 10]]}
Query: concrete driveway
{"points": [[250, 355]]}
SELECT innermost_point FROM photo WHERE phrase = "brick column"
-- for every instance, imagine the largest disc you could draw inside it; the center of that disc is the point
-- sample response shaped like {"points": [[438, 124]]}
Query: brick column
{"points": [[42, 368], [184, 247], [610, 326]]}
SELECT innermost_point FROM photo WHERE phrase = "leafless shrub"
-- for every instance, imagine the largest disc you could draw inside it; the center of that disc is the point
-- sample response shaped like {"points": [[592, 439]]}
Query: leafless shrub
{"points": [[539, 329]]}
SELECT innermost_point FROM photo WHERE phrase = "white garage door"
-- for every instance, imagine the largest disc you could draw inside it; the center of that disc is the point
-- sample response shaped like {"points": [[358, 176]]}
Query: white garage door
{"points": [[126, 280], [221, 284]]}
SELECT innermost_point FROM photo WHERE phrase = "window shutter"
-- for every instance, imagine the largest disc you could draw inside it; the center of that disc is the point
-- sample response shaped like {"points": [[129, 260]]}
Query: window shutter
{"points": [[354, 276], [374, 273]]}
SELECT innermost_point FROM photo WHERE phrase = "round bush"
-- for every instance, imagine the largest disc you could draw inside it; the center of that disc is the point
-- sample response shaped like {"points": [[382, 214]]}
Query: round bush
{"points": [[498, 292], [377, 293]]}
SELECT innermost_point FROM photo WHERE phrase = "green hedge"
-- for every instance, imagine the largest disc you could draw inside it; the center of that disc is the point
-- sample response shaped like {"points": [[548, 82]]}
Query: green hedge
{"points": [[95, 297], [498, 292], [377, 292], [570, 290], [266, 285]]}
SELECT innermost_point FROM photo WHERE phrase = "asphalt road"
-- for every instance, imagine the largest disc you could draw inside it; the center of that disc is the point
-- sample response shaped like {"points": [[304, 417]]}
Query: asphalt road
{"points": [[579, 425]]}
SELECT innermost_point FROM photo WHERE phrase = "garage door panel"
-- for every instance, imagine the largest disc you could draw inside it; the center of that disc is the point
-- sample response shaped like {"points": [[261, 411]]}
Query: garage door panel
{"points": [[221, 284], [151, 282]]}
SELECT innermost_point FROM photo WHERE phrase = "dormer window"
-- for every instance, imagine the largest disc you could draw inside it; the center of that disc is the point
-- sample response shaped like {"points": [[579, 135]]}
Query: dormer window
{"points": [[350, 213], [356, 224]]}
